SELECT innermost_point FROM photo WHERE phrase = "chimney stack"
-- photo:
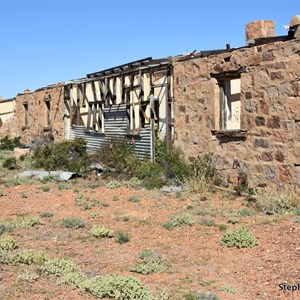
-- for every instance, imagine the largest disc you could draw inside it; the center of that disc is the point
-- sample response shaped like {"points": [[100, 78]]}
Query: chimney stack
{"points": [[259, 29], [295, 27]]}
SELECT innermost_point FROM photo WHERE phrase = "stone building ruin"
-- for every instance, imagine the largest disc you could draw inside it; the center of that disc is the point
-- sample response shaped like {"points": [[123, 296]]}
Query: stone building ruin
{"points": [[241, 104]]}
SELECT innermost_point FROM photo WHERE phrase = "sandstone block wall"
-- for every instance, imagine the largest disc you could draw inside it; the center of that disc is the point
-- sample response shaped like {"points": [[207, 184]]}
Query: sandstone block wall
{"points": [[38, 125], [270, 112]]}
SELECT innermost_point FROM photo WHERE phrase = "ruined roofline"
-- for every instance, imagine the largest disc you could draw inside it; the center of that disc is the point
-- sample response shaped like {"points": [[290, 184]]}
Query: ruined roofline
{"points": [[257, 42], [129, 67]]}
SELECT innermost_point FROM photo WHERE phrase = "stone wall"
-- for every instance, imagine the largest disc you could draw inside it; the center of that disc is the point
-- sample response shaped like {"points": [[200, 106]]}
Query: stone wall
{"points": [[39, 124], [269, 149]]}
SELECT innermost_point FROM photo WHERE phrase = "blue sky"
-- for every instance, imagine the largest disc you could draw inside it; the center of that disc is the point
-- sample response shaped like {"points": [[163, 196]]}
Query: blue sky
{"points": [[45, 42]]}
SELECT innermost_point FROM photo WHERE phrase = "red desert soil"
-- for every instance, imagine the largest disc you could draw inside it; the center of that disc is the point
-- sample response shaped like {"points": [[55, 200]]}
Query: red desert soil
{"points": [[198, 261]]}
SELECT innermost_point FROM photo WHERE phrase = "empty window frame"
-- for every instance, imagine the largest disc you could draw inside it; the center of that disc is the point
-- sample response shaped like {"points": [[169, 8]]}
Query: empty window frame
{"points": [[48, 107], [26, 115], [230, 103]]}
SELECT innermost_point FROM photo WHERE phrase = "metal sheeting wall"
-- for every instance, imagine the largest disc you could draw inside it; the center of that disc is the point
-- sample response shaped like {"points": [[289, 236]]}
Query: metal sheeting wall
{"points": [[115, 129]]}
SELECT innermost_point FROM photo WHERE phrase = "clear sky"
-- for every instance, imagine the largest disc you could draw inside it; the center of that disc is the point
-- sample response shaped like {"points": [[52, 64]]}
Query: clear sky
{"points": [[45, 42]]}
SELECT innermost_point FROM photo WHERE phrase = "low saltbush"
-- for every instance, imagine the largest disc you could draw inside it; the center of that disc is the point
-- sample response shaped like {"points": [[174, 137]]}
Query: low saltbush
{"points": [[180, 220], [101, 232], [72, 223], [239, 237], [277, 201], [27, 222], [7, 242], [122, 237], [150, 262]]}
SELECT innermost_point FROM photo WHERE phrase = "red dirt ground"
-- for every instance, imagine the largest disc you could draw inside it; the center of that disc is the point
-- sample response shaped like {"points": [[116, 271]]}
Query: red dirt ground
{"points": [[198, 261]]}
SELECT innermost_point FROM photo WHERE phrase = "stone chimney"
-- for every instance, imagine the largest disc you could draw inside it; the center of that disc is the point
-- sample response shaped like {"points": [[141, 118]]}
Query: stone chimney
{"points": [[295, 27], [259, 29]]}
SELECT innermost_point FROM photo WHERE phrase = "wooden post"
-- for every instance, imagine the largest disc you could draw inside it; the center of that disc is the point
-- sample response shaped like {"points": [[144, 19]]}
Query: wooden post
{"points": [[152, 125]]}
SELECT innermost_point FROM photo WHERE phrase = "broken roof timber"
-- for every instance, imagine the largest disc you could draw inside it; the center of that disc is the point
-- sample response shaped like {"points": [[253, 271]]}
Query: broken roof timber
{"points": [[119, 68]]}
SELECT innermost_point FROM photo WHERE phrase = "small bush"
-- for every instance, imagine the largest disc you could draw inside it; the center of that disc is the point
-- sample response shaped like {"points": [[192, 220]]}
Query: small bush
{"points": [[206, 222], [27, 222], [200, 296], [239, 237], [113, 184], [101, 232], [152, 182], [122, 237], [94, 215], [46, 214], [7, 143], [115, 198], [59, 267], [180, 220], [7, 242], [277, 202], [68, 155], [118, 287], [151, 262], [28, 276], [222, 227], [22, 157], [86, 202], [134, 198], [72, 223], [2, 193], [46, 188], [10, 163], [118, 155]]}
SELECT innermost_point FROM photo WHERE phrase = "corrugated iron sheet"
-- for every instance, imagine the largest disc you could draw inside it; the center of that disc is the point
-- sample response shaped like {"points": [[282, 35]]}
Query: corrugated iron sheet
{"points": [[115, 129]]}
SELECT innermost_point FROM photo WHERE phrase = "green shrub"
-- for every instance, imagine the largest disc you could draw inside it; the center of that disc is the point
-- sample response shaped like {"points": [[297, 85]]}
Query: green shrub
{"points": [[147, 169], [2, 193], [118, 287], [122, 237], [59, 267], [153, 182], [72, 223], [174, 165], [3, 228], [46, 188], [200, 296], [222, 227], [68, 155], [134, 198], [118, 155], [206, 222], [10, 163], [180, 220], [23, 157], [94, 215], [46, 214], [101, 232], [27, 222], [113, 184], [115, 198], [7, 242], [239, 237], [86, 202], [277, 202], [7, 143], [27, 257], [28, 276], [151, 262]]}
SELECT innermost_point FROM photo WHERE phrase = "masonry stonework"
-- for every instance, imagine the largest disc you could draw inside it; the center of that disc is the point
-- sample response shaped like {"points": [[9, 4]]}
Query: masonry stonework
{"points": [[38, 115], [269, 149]]}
